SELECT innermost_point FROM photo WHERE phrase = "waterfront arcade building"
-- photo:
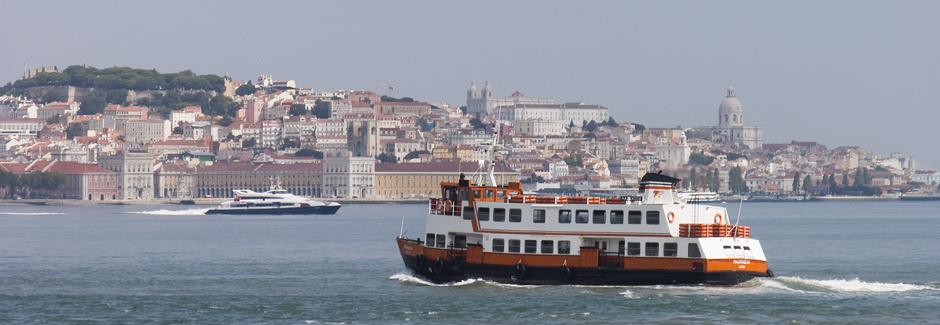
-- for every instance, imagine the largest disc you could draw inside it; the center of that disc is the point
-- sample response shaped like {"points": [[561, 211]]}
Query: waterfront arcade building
{"points": [[421, 180], [219, 179]]}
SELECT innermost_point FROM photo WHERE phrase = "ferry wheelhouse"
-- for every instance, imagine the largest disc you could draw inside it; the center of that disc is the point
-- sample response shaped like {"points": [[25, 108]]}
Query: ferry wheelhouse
{"points": [[502, 234]]}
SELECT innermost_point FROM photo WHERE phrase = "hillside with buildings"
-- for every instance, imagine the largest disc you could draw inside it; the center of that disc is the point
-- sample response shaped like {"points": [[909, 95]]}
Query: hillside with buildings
{"points": [[198, 136]]}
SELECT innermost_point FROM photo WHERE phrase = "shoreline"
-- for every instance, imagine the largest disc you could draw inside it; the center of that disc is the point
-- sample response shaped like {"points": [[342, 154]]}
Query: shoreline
{"points": [[176, 201]]}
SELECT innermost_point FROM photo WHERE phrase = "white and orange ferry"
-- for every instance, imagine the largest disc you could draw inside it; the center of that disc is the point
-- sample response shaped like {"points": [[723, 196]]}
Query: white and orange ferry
{"points": [[499, 233]]}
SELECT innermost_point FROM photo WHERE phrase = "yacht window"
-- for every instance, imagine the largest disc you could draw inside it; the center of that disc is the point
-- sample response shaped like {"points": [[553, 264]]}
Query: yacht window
{"points": [[634, 217], [538, 216], [548, 247], [728, 251], [652, 217], [564, 216], [476, 194], [581, 216], [599, 216], [441, 240], [488, 194], [748, 253], [483, 214], [738, 252], [515, 215], [460, 241], [564, 247], [530, 246], [467, 213], [499, 214], [430, 241], [616, 217], [633, 249], [499, 244], [693, 250], [652, 249], [514, 246], [500, 194], [670, 249]]}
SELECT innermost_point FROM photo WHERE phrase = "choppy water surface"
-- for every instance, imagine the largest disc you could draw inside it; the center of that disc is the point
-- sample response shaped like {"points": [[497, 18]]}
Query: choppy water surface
{"points": [[859, 262]]}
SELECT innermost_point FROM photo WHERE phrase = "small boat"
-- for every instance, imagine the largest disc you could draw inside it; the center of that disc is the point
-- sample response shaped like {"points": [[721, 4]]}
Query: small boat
{"points": [[274, 201], [499, 233]]}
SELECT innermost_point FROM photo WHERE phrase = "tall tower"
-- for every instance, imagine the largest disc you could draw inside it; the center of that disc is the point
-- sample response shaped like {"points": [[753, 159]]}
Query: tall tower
{"points": [[730, 113], [487, 91], [472, 92]]}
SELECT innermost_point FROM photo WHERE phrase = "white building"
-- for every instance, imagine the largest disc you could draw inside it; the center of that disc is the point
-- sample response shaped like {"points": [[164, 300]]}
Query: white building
{"points": [[57, 108], [483, 103], [21, 128], [135, 173], [567, 113], [347, 176], [145, 131], [538, 127], [731, 123], [185, 115]]}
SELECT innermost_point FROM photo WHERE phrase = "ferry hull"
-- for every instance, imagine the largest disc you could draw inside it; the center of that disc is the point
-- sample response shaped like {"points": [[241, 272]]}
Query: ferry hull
{"points": [[276, 211], [453, 271]]}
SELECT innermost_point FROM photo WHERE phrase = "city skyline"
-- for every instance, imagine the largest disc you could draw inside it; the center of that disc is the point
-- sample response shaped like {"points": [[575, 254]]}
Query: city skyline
{"points": [[841, 74]]}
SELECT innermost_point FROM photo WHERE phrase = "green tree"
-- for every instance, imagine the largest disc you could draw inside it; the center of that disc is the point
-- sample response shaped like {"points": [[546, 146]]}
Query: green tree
{"points": [[591, 126], [225, 121], [117, 96], [611, 122], [306, 152], [53, 119], [388, 158], [736, 181], [246, 89], [824, 181], [713, 181], [845, 179], [807, 183], [415, 154], [322, 109], [53, 96], [250, 143], [477, 123], [297, 110], [571, 125], [93, 103], [796, 181], [290, 143], [697, 158]]}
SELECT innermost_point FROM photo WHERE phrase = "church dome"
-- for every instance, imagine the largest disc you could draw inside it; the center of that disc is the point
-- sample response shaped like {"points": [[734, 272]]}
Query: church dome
{"points": [[730, 104]]}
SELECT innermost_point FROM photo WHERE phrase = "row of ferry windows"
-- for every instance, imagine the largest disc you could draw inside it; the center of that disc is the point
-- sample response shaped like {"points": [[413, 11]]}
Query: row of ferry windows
{"points": [[564, 247], [565, 216]]}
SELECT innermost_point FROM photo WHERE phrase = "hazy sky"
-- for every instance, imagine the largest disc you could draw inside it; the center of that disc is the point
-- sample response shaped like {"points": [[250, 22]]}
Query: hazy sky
{"points": [[846, 73]]}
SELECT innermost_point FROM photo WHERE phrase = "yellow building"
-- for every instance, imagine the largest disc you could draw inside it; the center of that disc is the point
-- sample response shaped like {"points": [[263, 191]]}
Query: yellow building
{"points": [[218, 180], [423, 179]]}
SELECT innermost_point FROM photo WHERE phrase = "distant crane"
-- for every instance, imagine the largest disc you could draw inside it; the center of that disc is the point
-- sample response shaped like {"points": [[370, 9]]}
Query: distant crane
{"points": [[390, 87]]}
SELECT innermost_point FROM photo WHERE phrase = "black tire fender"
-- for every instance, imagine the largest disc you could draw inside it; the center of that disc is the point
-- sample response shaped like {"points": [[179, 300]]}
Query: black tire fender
{"points": [[519, 272], [564, 273], [438, 266]]}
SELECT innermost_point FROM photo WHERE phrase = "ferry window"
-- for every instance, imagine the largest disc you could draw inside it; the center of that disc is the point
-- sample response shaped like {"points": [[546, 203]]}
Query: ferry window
{"points": [[652, 249], [738, 252], [530, 246], [581, 216], [564, 216], [463, 195], [430, 241], [460, 241], [499, 244], [441, 241], [748, 253], [728, 251], [500, 194], [652, 217], [467, 213], [634, 217], [483, 214], [670, 249], [693, 250], [515, 215], [476, 194], [538, 216], [599, 216], [499, 214], [548, 247], [633, 249], [564, 247], [514, 246], [488, 194], [616, 217]]}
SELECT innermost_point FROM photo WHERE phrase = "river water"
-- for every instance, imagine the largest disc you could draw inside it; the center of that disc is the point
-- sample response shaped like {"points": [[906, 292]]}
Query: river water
{"points": [[836, 262]]}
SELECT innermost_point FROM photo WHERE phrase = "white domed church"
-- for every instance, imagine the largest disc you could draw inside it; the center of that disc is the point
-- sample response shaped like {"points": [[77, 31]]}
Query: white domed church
{"points": [[731, 123]]}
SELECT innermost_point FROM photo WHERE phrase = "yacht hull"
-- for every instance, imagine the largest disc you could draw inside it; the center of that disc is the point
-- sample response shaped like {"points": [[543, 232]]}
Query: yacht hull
{"points": [[324, 209]]}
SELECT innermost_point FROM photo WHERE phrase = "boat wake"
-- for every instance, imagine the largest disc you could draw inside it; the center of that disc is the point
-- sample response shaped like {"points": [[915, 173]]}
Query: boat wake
{"points": [[416, 280], [797, 284], [165, 212], [29, 213]]}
